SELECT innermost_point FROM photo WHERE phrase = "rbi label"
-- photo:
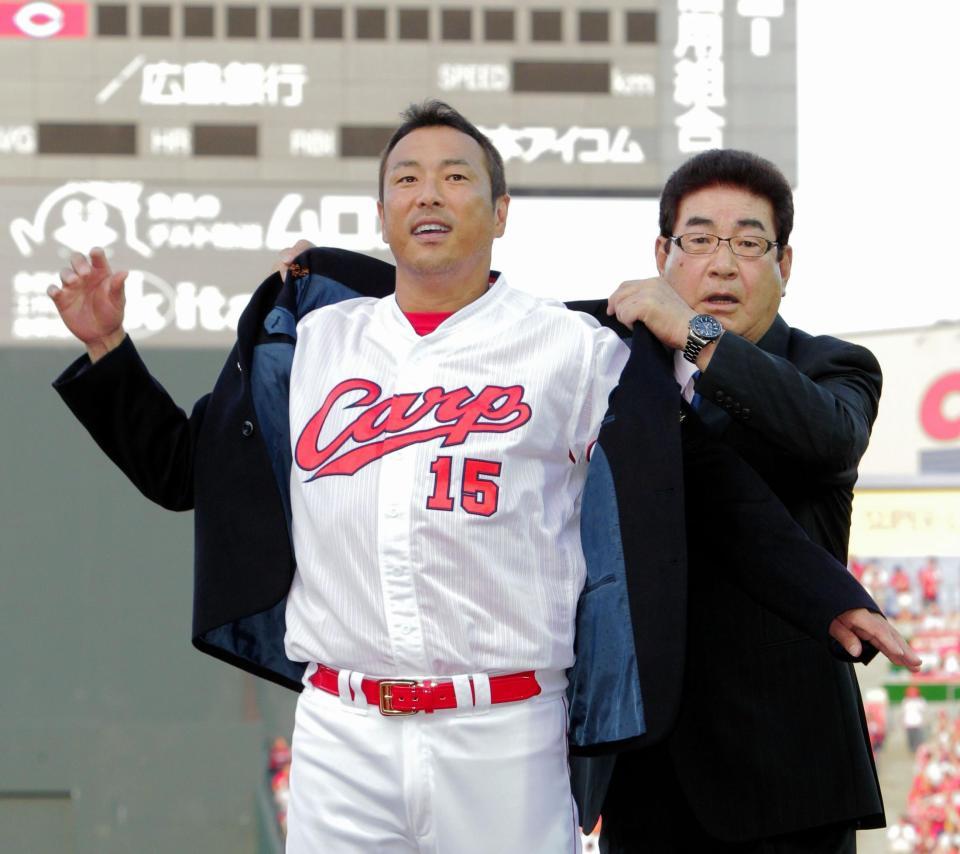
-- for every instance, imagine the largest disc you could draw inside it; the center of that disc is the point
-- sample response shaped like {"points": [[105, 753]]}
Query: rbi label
{"points": [[41, 20]]}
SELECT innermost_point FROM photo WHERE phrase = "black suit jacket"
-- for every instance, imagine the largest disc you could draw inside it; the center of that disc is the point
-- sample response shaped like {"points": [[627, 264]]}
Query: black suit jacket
{"points": [[770, 735]]}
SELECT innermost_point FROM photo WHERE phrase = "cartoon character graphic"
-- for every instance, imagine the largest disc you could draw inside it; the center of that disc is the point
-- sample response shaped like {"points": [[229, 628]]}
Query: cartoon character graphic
{"points": [[85, 209]]}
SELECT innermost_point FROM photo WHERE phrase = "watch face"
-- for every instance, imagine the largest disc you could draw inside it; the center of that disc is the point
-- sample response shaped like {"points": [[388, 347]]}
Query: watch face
{"points": [[706, 326]]}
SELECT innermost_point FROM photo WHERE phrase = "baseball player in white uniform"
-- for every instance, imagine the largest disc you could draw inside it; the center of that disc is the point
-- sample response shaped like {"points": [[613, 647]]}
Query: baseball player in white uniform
{"points": [[454, 464], [435, 500]]}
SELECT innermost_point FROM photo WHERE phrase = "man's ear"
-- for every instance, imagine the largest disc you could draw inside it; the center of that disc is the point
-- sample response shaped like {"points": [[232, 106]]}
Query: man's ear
{"points": [[500, 208], [662, 249], [380, 214], [786, 266]]}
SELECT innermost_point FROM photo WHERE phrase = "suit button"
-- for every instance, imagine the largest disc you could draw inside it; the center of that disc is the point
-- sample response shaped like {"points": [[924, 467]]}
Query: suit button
{"points": [[736, 408], [246, 429], [719, 396]]}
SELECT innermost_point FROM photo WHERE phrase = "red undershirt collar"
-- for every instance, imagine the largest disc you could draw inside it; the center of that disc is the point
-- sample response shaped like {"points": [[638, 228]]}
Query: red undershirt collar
{"points": [[425, 322]]}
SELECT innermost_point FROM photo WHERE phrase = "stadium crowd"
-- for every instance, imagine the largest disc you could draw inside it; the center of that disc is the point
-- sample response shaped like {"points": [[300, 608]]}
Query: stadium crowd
{"points": [[931, 821], [915, 597]]}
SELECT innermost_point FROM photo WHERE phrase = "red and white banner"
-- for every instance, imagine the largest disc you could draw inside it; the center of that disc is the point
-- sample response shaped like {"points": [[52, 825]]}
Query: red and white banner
{"points": [[42, 20]]}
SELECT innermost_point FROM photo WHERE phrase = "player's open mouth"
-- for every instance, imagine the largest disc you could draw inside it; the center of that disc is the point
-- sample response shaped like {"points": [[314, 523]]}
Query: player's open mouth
{"points": [[431, 228]]}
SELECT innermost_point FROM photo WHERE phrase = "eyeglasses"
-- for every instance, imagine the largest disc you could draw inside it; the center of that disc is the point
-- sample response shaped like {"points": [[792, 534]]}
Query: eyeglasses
{"points": [[746, 246]]}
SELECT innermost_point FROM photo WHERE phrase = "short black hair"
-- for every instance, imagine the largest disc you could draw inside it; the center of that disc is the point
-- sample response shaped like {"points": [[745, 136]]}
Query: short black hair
{"points": [[433, 113], [733, 168]]}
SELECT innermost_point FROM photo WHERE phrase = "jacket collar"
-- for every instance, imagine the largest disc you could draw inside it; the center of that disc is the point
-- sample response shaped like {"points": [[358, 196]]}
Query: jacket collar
{"points": [[777, 338], [251, 320]]}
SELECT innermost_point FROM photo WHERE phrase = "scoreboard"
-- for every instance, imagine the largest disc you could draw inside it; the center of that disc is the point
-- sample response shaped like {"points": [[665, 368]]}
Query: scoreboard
{"points": [[193, 140]]}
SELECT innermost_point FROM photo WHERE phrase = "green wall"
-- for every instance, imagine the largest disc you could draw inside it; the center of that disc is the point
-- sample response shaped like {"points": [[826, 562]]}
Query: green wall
{"points": [[115, 734]]}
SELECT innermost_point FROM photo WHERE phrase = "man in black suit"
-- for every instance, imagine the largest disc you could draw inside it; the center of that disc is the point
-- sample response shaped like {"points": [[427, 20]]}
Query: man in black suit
{"points": [[769, 750]]}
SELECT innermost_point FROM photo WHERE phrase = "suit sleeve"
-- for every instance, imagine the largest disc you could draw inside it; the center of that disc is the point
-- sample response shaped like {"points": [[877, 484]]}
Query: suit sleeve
{"points": [[136, 423], [730, 507], [818, 414]]}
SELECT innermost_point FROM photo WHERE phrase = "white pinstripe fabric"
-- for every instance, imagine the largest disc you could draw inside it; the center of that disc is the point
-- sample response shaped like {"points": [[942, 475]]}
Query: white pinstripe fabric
{"points": [[390, 587]]}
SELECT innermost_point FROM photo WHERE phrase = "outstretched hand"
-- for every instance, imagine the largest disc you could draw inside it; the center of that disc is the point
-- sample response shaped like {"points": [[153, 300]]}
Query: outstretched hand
{"points": [[853, 627], [90, 302]]}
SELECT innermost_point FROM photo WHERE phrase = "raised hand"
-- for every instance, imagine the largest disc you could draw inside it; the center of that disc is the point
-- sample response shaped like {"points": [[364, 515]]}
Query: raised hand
{"points": [[90, 302]]}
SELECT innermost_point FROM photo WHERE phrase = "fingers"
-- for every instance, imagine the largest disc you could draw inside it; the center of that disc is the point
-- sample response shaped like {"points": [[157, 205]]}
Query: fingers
{"points": [[81, 267], [287, 256], [115, 287], [630, 302], [56, 294], [626, 313], [624, 289], [75, 285], [876, 629], [116, 282], [913, 661], [901, 653], [98, 259], [79, 264], [846, 638], [284, 260]]}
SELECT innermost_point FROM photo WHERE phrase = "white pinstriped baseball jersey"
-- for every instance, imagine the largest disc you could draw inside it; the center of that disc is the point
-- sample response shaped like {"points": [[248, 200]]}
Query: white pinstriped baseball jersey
{"points": [[436, 483]]}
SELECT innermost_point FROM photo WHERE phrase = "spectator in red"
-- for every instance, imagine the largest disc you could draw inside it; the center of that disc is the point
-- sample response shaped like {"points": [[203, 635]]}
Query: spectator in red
{"points": [[902, 599], [279, 755], [900, 581], [929, 577], [875, 708]]}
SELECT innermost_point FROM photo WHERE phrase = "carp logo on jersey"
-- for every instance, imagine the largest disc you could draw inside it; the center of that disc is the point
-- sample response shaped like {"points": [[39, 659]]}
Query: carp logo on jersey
{"points": [[388, 424]]}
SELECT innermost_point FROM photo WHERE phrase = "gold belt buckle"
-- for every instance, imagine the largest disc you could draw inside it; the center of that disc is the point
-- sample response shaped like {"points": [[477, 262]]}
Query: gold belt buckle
{"points": [[386, 697]]}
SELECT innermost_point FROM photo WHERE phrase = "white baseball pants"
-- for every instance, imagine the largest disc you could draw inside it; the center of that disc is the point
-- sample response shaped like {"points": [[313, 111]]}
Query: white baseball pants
{"points": [[452, 782]]}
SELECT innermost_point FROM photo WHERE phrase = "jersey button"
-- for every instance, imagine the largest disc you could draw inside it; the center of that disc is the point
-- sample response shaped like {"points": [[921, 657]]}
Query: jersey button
{"points": [[246, 429], [393, 511]]}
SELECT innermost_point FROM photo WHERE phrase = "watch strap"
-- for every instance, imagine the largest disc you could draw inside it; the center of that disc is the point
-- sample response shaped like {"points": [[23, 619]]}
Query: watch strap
{"points": [[693, 346]]}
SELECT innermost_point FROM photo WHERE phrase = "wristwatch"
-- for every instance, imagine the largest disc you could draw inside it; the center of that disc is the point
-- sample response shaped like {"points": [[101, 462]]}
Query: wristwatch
{"points": [[703, 329]]}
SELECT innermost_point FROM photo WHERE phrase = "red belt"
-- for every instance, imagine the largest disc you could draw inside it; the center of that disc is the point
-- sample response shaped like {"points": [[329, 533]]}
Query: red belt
{"points": [[408, 696]]}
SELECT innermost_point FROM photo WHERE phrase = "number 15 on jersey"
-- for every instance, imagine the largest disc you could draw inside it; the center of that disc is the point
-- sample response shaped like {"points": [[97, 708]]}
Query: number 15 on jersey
{"points": [[479, 492]]}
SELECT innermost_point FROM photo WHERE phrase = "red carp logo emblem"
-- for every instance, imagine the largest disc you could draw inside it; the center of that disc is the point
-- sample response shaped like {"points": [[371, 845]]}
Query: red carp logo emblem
{"points": [[387, 425]]}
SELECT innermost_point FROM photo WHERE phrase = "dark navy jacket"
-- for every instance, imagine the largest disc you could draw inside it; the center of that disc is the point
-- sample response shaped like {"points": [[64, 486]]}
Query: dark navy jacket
{"points": [[230, 460]]}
